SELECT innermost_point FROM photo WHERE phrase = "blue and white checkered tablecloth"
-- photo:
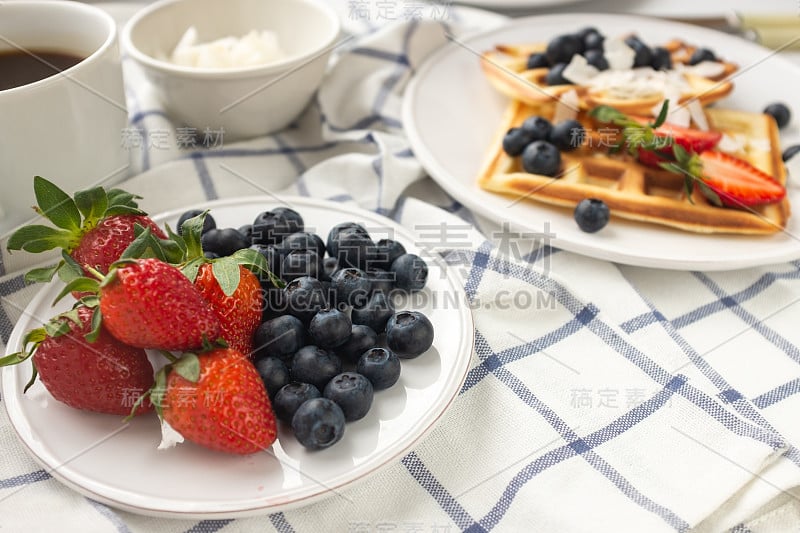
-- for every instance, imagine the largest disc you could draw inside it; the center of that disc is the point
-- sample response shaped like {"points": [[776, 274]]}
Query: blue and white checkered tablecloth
{"points": [[619, 399]]}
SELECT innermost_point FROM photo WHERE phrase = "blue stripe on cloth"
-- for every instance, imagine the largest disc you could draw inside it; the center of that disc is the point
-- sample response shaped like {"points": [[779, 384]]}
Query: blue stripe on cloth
{"points": [[24, 479], [109, 514], [258, 152], [428, 481], [583, 447], [480, 260], [209, 526], [399, 72], [280, 523], [625, 348], [291, 154], [203, 175], [380, 54], [7, 287], [141, 115], [779, 393]]}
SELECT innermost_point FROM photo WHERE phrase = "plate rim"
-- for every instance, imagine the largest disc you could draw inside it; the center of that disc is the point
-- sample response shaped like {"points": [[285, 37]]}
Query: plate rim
{"points": [[451, 387], [455, 188]]}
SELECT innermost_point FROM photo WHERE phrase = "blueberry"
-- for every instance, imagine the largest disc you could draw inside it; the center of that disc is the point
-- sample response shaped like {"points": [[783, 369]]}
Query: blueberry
{"points": [[304, 297], [593, 40], [352, 392], [381, 366], [208, 221], [318, 423], [541, 157], [315, 365], [596, 59], [410, 272], [644, 55], [537, 127], [290, 397], [332, 243], [662, 59], [351, 286], [298, 263], [779, 112], [515, 140], [303, 240], [274, 303], [354, 248], [702, 54], [384, 253], [329, 266], [274, 257], [537, 60], [375, 313], [561, 49], [330, 328], [790, 152], [224, 242], [271, 227], [381, 280], [361, 339], [409, 334], [555, 76], [279, 337], [591, 215], [568, 135], [273, 373]]}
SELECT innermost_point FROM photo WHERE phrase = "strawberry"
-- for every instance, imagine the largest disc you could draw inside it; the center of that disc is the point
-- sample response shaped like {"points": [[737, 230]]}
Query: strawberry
{"points": [[668, 135], [737, 182], [101, 375], [217, 400], [240, 312], [148, 303], [92, 229]]}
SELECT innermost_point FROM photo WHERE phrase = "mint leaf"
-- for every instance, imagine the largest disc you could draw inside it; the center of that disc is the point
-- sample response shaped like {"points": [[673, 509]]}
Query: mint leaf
{"points": [[37, 238], [56, 205], [662, 115], [226, 272], [92, 203]]}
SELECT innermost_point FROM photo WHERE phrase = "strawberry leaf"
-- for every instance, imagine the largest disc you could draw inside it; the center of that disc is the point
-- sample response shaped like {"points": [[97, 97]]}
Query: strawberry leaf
{"points": [[92, 203], [191, 268], [97, 322], [37, 238], [78, 285], [158, 391], [32, 380], [69, 268], [188, 367], [226, 272], [251, 259], [42, 275], [56, 205], [606, 113], [177, 239], [146, 244], [192, 232], [709, 193], [14, 358], [120, 198], [57, 328], [662, 115]]}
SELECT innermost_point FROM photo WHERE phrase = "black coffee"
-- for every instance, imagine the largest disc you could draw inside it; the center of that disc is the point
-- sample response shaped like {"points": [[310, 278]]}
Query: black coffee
{"points": [[20, 68]]}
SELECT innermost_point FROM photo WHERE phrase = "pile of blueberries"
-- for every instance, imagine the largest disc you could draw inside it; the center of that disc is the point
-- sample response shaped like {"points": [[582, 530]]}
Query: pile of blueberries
{"points": [[330, 335], [589, 43], [540, 143]]}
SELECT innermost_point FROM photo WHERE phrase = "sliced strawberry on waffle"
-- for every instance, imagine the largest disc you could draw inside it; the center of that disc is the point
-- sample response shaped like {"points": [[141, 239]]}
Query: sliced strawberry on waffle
{"points": [[737, 183], [667, 135]]}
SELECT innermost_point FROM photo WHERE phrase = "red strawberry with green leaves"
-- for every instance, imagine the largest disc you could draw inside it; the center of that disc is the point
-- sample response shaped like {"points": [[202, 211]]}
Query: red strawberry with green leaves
{"points": [[148, 303], [736, 182], [228, 284], [668, 135], [217, 400], [86, 370], [92, 229]]}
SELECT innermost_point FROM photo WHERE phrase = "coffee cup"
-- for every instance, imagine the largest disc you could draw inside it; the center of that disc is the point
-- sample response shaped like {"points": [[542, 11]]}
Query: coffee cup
{"points": [[67, 126]]}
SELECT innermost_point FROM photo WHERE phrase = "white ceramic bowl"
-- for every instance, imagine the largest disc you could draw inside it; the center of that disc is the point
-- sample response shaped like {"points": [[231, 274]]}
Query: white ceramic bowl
{"points": [[243, 102]]}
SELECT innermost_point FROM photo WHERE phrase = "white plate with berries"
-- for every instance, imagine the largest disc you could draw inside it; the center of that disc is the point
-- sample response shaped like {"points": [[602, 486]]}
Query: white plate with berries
{"points": [[451, 113], [118, 463]]}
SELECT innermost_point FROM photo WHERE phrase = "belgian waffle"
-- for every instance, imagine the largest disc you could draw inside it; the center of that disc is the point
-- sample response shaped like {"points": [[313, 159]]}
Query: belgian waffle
{"points": [[636, 192], [506, 69]]}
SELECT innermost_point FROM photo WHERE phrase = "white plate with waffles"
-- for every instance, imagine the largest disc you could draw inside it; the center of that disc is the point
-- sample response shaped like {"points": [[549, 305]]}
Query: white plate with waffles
{"points": [[118, 464], [451, 114]]}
